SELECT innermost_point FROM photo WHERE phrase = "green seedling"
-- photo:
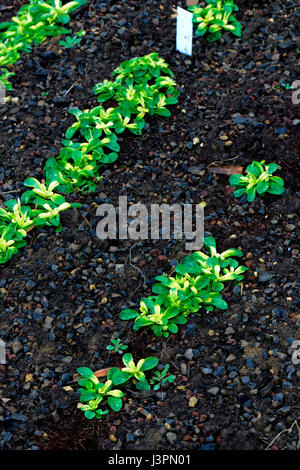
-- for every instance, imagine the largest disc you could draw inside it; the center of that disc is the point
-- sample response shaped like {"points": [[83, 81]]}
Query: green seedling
{"points": [[258, 179], [50, 216], [40, 193], [34, 22], [10, 242], [214, 18], [19, 216], [95, 393], [69, 42], [117, 346], [163, 320], [161, 378], [200, 279], [132, 371]]}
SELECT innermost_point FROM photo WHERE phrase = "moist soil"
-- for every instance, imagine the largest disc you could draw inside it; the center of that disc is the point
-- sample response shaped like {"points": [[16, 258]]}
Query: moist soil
{"points": [[61, 296]]}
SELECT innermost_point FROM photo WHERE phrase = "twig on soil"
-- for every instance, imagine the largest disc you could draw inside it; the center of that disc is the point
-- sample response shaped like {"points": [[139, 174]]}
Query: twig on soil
{"points": [[86, 220], [65, 94], [222, 161], [289, 430], [135, 267], [9, 192]]}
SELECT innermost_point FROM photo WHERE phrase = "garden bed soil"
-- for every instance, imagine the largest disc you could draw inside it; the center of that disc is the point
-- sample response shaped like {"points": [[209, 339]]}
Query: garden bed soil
{"points": [[60, 298]]}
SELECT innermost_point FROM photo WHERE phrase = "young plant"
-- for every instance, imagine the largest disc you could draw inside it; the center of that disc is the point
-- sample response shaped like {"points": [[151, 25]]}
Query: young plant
{"points": [[69, 42], [258, 179], [214, 18], [40, 193], [198, 283], [10, 242], [32, 25], [153, 312], [133, 371], [19, 216], [50, 216], [95, 393], [161, 378], [117, 346]]}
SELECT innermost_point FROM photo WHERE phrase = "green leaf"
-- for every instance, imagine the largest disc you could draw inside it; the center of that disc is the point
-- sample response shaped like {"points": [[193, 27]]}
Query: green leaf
{"points": [[235, 180], [262, 187], [117, 376], [251, 194], [89, 414], [85, 372], [239, 192], [115, 403], [149, 363], [128, 314], [275, 188], [220, 303]]}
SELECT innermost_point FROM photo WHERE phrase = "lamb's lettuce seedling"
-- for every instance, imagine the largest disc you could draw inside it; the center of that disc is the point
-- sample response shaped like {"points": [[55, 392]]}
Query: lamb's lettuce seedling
{"points": [[214, 18], [50, 216], [132, 370], [161, 378], [34, 22], [117, 346], [10, 242], [95, 392], [19, 216], [41, 193], [258, 179], [199, 280]]}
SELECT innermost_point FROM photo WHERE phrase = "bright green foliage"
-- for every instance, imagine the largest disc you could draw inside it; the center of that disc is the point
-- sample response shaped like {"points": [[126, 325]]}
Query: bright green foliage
{"points": [[33, 24], [72, 41], [142, 86], [214, 18], [160, 378], [117, 346], [258, 179], [10, 241], [42, 207], [199, 280], [133, 371], [95, 393]]}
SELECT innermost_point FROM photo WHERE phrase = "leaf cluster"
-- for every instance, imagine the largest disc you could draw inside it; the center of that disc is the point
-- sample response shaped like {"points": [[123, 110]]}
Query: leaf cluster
{"points": [[33, 23], [199, 281], [139, 89], [214, 18], [94, 393], [259, 179], [39, 206]]}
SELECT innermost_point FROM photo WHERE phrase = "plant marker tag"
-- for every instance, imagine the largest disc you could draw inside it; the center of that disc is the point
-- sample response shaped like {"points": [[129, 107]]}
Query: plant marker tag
{"points": [[184, 31]]}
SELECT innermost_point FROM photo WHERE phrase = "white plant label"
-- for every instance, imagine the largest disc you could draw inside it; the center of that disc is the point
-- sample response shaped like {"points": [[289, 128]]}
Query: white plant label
{"points": [[184, 32]]}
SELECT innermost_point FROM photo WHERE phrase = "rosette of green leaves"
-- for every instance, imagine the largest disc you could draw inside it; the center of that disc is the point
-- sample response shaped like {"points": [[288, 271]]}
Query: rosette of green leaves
{"points": [[49, 215], [16, 214], [33, 24], [160, 378], [41, 193], [95, 393], [258, 179], [188, 293], [133, 371], [116, 346], [214, 18], [10, 241], [141, 69], [162, 319]]}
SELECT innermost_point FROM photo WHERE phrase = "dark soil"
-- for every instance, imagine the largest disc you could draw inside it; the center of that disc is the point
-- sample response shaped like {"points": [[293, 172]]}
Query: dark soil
{"points": [[60, 298]]}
